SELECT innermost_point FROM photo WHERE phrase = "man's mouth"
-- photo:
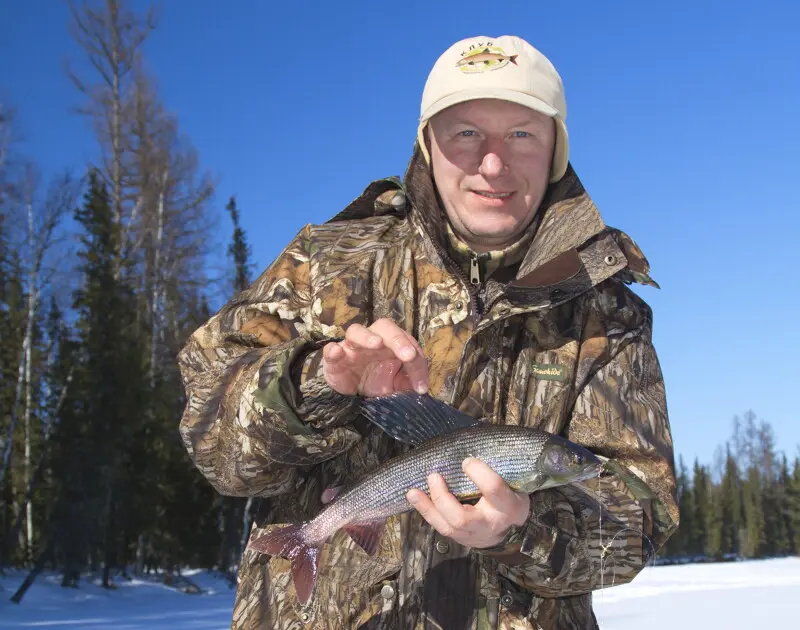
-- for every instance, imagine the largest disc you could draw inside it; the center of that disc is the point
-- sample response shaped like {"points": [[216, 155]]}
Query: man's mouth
{"points": [[493, 195]]}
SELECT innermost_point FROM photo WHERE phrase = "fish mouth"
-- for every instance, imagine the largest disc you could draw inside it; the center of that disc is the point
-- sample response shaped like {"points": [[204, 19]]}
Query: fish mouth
{"points": [[593, 470]]}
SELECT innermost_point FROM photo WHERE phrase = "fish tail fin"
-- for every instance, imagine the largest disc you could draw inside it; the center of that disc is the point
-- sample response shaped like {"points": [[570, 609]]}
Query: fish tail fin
{"points": [[289, 542], [513, 59]]}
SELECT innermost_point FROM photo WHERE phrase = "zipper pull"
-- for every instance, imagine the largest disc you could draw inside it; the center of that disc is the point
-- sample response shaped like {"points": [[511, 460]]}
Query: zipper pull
{"points": [[474, 271]]}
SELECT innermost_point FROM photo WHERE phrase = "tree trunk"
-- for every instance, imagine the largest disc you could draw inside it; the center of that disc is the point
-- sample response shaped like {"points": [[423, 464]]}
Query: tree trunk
{"points": [[28, 402], [40, 467], [109, 546], [37, 569], [15, 407], [138, 568]]}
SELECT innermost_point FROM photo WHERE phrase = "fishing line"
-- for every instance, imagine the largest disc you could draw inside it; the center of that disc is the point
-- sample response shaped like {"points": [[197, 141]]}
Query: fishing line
{"points": [[602, 547], [608, 549]]}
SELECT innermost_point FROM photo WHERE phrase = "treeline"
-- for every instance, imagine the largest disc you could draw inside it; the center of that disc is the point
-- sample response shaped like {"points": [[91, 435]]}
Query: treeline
{"points": [[103, 275], [746, 506]]}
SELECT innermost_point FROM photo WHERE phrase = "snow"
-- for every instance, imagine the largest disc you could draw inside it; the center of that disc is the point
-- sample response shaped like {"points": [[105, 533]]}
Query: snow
{"points": [[134, 605], [729, 595]]}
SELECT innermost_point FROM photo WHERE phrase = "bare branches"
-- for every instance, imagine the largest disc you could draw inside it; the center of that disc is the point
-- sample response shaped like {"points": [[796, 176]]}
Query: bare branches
{"points": [[111, 37], [41, 220]]}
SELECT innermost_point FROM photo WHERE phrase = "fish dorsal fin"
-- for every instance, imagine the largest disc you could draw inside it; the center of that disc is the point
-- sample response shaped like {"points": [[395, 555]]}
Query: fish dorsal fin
{"points": [[414, 418]]}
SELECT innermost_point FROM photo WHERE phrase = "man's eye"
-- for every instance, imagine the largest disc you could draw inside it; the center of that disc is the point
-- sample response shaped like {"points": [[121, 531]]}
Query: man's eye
{"points": [[467, 133], [521, 134]]}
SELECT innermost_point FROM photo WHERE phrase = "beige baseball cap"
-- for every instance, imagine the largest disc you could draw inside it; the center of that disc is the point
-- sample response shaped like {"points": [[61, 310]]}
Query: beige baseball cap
{"points": [[506, 68]]}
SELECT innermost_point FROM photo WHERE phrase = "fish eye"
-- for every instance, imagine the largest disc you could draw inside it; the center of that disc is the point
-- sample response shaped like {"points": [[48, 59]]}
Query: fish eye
{"points": [[577, 458]]}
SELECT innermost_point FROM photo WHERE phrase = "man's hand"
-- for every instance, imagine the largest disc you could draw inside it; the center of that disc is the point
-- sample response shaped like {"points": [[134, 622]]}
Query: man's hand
{"points": [[484, 524], [375, 361]]}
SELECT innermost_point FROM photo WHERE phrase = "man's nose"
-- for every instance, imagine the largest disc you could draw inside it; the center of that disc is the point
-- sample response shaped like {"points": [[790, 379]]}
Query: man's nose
{"points": [[492, 162]]}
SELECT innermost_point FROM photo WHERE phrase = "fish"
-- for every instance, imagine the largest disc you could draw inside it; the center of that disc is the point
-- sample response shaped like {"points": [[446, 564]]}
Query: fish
{"points": [[442, 437], [485, 58]]}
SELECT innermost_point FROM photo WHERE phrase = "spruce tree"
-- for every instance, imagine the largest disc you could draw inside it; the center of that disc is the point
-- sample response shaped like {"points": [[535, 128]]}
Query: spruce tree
{"points": [[752, 498], [728, 510], [114, 385], [701, 485], [784, 544], [794, 506], [686, 506]]}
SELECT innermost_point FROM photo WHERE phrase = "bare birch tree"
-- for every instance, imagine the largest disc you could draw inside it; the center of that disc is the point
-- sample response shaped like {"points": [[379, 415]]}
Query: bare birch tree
{"points": [[112, 36], [41, 219]]}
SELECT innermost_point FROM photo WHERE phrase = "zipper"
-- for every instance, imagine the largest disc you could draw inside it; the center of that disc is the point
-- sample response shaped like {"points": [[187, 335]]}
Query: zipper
{"points": [[471, 288], [474, 271]]}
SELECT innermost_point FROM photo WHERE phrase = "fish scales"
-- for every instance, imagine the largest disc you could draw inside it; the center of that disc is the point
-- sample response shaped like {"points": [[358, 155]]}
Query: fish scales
{"points": [[512, 452]]}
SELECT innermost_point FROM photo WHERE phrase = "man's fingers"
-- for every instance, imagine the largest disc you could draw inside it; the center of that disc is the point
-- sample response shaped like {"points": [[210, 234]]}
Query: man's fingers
{"points": [[357, 336], [491, 485], [426, 508], [456, 514], [380, 378], [332, 352], [396, 339], [494, 490], [514, 506], [407, 349]]}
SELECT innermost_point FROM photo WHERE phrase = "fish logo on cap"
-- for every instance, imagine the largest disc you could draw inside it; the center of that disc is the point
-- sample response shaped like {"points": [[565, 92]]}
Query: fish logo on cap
{"points": [[485, 57]]}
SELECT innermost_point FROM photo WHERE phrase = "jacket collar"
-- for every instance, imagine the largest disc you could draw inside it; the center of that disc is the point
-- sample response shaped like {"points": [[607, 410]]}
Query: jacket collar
{"points": [[570, 240]]}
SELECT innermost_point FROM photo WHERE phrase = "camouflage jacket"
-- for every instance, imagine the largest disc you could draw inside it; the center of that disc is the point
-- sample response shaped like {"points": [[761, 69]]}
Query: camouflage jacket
{"points": [[557, 342]]}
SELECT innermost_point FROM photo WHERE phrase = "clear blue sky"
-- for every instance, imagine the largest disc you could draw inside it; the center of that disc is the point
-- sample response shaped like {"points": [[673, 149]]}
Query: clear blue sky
{"points": [[683, 119]]}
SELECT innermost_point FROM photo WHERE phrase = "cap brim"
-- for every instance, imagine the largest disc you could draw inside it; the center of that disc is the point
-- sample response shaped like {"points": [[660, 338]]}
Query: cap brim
{"points": [[462, 96]]}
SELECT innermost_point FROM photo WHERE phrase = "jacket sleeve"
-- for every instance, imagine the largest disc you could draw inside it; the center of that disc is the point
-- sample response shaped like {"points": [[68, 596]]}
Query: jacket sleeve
{"points": [[255, 410], [570, 545]]}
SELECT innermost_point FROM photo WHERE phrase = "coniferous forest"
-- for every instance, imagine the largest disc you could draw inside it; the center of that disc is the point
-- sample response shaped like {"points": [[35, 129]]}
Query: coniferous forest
{"points": [[103, 275]]}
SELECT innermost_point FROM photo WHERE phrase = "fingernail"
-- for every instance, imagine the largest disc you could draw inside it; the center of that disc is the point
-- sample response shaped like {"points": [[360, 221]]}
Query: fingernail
{"points": [[407, 353], [421, 388], [412, 498], [466, 462]]}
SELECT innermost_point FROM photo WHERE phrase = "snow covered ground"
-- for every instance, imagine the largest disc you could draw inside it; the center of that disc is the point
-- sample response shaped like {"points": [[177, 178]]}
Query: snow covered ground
{"points": [[135, 605], [688, 597], [733, 595]]}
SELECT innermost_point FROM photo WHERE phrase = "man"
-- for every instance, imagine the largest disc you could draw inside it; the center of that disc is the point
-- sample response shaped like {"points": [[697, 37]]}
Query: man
{"points": [[488, 279]]}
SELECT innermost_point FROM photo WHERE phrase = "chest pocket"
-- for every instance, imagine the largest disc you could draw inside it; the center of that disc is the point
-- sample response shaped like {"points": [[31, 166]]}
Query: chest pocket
{"points": [[541, 385]]}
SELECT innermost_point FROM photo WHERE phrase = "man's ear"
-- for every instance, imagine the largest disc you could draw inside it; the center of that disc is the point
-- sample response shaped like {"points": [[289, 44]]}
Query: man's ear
{"points": [[426, 136]]}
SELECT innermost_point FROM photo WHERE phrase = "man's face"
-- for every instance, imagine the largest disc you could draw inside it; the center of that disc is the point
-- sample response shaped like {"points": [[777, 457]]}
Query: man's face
{"points": [[491, 164]]}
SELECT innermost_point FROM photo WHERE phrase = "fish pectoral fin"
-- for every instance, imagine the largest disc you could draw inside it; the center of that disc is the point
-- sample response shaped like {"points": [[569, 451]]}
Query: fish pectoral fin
{"points": [[304, 572], [366, 535], [329, 494], [415, 418], [530, 486]]}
